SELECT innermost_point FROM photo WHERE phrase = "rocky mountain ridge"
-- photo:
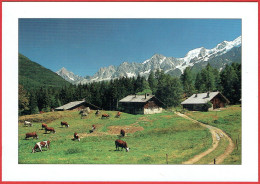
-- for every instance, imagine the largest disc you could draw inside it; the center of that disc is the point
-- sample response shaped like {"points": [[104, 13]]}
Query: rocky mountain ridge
{"points": [[224, 53]]}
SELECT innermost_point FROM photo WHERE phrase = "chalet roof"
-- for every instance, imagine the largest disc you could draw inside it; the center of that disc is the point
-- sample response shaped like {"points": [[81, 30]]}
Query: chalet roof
{"points": [[136, 98], [202, 98], [70, 105]]}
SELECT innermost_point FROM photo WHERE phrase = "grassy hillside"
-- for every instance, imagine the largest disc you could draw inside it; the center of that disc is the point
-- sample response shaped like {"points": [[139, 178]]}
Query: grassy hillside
{"points": [[150, 138], [33, 75], [228, 120]]}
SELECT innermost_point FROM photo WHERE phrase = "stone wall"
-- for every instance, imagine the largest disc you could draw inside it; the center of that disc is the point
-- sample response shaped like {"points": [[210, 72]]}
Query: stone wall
{"points": [[152, 110]]}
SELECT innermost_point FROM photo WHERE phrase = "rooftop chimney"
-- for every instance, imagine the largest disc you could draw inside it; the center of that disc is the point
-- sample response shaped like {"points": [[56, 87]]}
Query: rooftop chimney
{"points": [[207, 94]]}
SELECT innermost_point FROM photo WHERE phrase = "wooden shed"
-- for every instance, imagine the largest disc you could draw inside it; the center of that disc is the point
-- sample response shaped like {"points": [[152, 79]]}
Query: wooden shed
{"points": [[197, 102], [141, 104], [77, 105]]}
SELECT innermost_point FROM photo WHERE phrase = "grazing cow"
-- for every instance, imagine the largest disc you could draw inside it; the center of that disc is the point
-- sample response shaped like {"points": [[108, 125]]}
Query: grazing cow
{"points": [[64, 123], [93, 128], [122, 133], [44, 126], [40, 145], [122, 144], [84, 114], [87, 110], [118, 114], [76, 136], [27, 123], [105, 115], [32, 134], [97, 113], [49, 129]]}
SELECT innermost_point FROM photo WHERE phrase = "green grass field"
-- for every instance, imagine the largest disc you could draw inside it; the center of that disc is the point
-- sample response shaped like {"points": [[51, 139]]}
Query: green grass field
{"points": [[228, 120], [150, 138]]}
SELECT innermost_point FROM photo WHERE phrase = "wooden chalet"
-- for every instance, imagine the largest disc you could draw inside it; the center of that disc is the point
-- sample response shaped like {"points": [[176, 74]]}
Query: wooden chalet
{"points": [[198, 101], [141, 104], [77, 105]]}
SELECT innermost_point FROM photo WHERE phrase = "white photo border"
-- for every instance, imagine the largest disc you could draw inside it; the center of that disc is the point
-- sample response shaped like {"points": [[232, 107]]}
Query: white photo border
{"points": [[247, 11]]}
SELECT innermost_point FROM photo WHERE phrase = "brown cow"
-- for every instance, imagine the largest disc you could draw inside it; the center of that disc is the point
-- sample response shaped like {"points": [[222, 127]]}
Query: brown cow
{"points": [[105, 115], [122, 132], [122, 144], [64, 123], [44, 126], [49, 129], [32, 134], [93, 128], [76, 136], [118, 114], [40, 145]]}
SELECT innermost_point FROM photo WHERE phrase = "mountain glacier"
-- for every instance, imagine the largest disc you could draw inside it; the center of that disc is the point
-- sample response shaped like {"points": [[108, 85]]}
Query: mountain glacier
{"points": [[224, 53]]}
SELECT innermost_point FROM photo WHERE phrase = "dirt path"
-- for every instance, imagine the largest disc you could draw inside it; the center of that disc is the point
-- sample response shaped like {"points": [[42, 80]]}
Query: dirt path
{"points": [[217, 134]]}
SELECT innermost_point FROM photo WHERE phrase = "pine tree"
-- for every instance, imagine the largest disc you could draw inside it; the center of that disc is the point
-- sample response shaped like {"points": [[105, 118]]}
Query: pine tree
{"points": [[208, 79], [152, 82], [33, 104], [199, 84], [231, 82], [138, 84], [187, 82], [169, 90]]}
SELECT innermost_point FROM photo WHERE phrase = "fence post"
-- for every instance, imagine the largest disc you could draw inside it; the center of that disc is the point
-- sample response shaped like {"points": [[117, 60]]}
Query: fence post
{"points": [[214, 161], [167, 158]]}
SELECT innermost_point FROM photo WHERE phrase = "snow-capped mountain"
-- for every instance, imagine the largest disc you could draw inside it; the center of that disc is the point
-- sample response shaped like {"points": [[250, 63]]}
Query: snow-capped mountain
{"points": [[224, 53], [69, 76]]}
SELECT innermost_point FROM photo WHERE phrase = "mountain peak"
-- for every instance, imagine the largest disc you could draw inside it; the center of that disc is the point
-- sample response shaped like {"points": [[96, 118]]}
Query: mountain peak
{"points": [[68, 76], [196, 58], [63, 69]]}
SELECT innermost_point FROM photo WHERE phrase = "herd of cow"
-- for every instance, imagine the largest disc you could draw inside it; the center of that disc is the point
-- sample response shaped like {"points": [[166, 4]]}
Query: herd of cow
{"points": [[39, 145]]}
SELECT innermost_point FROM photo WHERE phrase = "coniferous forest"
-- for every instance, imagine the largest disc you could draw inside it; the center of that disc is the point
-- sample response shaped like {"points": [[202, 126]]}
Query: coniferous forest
{"points": [[36, 96]]}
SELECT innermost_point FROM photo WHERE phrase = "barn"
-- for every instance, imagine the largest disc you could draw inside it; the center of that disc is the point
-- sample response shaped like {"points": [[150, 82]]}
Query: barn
{"points": [[77, 105], [198, 102], [141, 104]]}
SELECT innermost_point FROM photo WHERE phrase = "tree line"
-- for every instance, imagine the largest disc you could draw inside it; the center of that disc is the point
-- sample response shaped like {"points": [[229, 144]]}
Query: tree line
{"points": [[106, 94]]}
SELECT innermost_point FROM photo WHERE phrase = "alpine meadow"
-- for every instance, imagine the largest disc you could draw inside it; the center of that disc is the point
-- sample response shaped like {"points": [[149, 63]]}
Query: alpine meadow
{"points": [[157, 110]]}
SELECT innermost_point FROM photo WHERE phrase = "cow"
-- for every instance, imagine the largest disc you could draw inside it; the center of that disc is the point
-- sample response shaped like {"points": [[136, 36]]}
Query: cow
{"points": [[97, 113], [32, 134], [122, 133], [44, 126], [76, 136], [83, 114], [40, 145], [122, 144], [105, 115], [64, 123], [49, 129], [118, 114], [27, 123], [93, 128], [87, 110]]}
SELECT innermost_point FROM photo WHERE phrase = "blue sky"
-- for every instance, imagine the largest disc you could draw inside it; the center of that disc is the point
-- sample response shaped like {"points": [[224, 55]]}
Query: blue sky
{"points": [[84, 45]]}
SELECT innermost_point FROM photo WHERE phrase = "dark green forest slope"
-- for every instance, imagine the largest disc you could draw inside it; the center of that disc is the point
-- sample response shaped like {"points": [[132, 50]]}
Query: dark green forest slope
{"points": [[33, 76]]}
